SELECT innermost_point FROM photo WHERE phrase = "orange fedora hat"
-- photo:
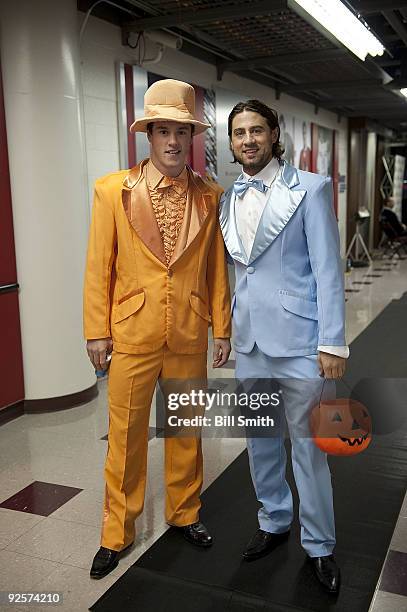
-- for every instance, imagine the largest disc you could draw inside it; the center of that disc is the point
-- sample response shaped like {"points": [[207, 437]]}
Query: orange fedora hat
{"points": [[169, 100]]}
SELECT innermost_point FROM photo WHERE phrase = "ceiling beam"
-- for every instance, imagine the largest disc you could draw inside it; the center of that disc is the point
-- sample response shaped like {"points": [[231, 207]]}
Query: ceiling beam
{"points": [[385, 106], [263, 78], [384, 115], [377, 6], [385, 63], [389, 38], [352, 103], [396, 24], [396, 84], [397, 105], [269, 61], [328, 85], [403, 64], [360, 110], [389, 118], [193, 17], [280, 86]]}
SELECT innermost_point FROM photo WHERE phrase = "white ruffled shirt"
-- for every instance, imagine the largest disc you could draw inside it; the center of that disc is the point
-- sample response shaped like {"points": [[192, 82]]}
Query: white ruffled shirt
{"points": [[249, 209]]}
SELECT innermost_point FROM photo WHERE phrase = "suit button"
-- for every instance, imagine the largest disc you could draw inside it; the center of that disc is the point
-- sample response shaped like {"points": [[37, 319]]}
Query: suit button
{"points": [[250, 270]]}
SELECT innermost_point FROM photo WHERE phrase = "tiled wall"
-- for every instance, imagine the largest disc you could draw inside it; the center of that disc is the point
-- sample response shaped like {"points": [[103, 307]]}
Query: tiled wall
{"points": [[99, 50]]}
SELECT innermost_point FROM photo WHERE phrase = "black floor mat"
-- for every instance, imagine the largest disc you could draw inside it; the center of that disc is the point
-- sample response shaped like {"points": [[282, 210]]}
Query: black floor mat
{"points": [[368, 491]]}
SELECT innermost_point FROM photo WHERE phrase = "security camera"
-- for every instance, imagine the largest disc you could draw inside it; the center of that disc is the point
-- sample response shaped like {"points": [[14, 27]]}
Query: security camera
{"points": [[163, 38]]}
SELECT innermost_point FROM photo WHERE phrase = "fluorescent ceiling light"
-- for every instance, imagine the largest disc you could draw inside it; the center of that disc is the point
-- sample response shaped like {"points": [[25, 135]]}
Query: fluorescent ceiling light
{"points": [[335, 17], [404, 91]]}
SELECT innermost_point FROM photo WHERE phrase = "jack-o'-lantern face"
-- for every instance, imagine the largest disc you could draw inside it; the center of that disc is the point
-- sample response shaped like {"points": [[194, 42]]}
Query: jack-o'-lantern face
{"points": [[341, 426]]}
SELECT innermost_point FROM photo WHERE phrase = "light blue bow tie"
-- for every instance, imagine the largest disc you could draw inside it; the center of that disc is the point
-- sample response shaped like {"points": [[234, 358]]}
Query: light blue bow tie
{"points": [[241, 186]]}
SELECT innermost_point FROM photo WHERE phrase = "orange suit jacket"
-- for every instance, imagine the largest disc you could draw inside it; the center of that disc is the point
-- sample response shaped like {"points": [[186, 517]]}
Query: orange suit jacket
{"points": [[130, 293]]}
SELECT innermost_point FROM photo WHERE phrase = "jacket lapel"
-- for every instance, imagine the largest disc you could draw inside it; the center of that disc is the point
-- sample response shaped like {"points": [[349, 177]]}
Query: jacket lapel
{"points": [[227, 219], [195, 214], [140, 213], [282, 203]]}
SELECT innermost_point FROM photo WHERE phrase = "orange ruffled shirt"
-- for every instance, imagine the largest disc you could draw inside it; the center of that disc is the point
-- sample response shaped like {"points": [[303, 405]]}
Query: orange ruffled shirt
{"points": [[168, 197]]}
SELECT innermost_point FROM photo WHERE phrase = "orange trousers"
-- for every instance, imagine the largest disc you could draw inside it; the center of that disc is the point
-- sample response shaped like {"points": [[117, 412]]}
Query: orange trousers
{"points": [[132, 380]]}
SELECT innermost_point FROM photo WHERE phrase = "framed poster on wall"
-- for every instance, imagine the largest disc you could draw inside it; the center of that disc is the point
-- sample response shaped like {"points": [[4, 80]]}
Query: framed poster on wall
{"points": [[322, 150], [287, 131], [324, 155], [302, 144]]}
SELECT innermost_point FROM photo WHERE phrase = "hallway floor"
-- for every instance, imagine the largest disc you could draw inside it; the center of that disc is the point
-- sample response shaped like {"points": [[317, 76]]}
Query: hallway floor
{"points": [[51, 480]]}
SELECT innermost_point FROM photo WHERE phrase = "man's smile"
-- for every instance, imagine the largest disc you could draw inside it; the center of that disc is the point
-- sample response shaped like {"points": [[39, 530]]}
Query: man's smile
{"points": [[250, 152]]}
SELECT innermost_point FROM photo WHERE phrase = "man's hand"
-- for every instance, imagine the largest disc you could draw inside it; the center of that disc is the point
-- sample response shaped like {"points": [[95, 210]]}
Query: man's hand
{"points": [[98, 350], [331, 366], [221, 352]]}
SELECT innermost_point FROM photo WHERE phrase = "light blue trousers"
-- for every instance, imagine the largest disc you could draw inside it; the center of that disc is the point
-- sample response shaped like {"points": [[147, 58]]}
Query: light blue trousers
{"points": [[267, 456]]}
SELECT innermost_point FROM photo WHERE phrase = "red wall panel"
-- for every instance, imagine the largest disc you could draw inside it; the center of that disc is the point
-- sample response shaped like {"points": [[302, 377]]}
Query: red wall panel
{"points": [[8, 272], [128, 79], [11, 359], [11, 365], [198, 159]]}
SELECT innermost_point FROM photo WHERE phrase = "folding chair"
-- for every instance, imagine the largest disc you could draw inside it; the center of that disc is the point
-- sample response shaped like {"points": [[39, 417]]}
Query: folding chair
{"points": [[394, 244]]}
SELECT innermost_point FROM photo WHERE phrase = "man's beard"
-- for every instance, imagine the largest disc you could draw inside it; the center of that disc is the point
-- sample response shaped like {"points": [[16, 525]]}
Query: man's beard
{"points": [[257, 164]]}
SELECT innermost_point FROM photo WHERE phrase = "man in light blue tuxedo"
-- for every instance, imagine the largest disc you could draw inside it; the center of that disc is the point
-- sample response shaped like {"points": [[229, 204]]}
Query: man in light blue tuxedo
{"points": [[280, 230]]}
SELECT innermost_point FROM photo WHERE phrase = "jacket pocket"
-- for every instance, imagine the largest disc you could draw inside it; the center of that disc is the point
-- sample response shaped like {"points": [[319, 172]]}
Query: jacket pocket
{"points": [[128, 307], [199, 306], [299, 305]]}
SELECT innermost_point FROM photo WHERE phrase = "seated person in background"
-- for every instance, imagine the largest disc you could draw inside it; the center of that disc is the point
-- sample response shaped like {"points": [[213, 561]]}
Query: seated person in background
{"points": [[388, 215]]}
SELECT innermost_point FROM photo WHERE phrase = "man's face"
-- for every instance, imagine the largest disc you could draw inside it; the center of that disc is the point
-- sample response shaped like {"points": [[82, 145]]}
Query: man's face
{"points": [[170, 143], [252, 141]]}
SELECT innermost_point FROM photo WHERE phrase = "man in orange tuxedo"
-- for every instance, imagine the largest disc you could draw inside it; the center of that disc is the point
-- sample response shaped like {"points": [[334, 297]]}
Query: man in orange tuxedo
{"points": [[156, 277]]}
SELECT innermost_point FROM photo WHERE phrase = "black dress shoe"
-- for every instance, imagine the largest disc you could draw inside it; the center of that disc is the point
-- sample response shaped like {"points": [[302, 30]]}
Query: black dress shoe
{"points": [[327, 572], [197, 534], [104, 562], [263, 543]]}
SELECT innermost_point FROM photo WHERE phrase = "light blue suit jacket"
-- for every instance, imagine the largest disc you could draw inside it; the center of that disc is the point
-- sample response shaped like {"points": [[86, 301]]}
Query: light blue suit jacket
{"points": [[289, 294]]}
